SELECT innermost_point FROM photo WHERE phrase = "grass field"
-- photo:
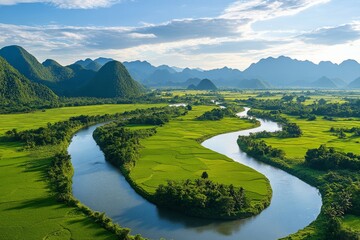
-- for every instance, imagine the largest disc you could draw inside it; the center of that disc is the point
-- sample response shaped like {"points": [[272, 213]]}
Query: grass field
{"points": [[27, 208], [39, 118], [174, 153], [316, 133], [351, 222]]}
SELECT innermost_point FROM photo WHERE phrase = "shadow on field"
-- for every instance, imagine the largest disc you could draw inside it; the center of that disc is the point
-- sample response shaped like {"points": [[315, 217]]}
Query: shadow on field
{"points": [[37, 203], [37, 165]]}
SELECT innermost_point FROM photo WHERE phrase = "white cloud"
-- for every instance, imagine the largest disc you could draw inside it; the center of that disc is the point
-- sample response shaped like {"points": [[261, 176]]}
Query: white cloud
{"points": [[141, 35], [333, 35], [67, 4], [205, 42], [267, 9]]}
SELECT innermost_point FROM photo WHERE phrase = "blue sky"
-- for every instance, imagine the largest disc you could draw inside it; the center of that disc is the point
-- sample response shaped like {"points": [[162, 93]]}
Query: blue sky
{"points": [[202, 33]]}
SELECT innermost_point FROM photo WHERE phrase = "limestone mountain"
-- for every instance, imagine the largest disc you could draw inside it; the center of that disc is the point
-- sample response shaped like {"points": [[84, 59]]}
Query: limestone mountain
{"points": [[26, 63], [204, 84], [253, 84], [355, 83], [324, 82], [58, 72], [112, 80], [16, 88]]}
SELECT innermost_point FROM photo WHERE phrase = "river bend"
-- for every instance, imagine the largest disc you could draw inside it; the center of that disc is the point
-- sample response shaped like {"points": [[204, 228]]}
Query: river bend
{"points": [[100, 186]]}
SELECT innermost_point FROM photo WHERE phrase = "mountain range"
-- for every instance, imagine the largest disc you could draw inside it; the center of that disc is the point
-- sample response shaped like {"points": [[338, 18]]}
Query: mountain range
{"points": [[111, 80], [280, 72], [16, 88]]}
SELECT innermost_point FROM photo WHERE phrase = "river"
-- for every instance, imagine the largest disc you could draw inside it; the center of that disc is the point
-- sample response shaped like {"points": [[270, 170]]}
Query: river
{"points": [[100, 186]]}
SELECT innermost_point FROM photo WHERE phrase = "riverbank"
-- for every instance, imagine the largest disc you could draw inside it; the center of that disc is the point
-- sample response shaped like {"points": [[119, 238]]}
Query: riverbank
{"points": [[114, 196], [328, 182], [173, 153], [28, 208]]}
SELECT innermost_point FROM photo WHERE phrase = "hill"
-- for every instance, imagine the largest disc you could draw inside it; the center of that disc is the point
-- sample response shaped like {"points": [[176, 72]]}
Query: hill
{"points": [[355, 83], [16, 88], [205, 84], [26, 63], [93, 65], [324, 82], [112, 80], [253, 84], [58, 72], [140, 70]]}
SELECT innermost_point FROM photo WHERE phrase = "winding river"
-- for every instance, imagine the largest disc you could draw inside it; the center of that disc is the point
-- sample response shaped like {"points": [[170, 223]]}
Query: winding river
{"points": [[102, 187]]}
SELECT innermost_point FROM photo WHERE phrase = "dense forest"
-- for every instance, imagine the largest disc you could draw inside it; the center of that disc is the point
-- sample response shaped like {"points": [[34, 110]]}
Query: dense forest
{"points": [[350, 108], [324, 158], [203, 197]]}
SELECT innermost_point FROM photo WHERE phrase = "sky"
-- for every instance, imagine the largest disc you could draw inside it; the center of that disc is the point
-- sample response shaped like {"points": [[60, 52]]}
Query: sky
{"points": [[203, 34]]}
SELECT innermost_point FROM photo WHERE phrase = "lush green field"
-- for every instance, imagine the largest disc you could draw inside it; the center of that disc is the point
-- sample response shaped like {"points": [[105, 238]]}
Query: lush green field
{"points": [[316, 133], [174, 153], [351, 222], [39, 118], [27, 208]]}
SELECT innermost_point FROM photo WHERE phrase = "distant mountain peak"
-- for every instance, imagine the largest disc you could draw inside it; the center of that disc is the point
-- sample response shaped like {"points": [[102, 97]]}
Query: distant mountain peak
{"points": [[205, 84], [50, 62], [112, 80]]}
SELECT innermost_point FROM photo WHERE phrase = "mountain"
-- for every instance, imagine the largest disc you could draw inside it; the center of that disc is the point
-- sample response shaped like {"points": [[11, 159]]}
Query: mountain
{"points": [[160, 77], [94, 66], [140, 70], [84, 63], [177, 69], [102, 61], [281, 71], [205, 84], [355, 83], [194, 81], [112, 80], [16, 88], [324, 82], [58, 72], [62, 80], [26, 63], [191, 87], [339, 82], [166, 67], [287, 72], [253, 84]]}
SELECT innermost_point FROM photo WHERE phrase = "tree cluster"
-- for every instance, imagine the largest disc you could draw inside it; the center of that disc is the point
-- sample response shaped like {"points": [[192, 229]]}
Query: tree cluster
{"points": [[158, 116], [350, 108], [288, 129], [202, 197], [55, 133], [119, 144], [326, 158], [340, 132], [258, 148], [218, 114]]}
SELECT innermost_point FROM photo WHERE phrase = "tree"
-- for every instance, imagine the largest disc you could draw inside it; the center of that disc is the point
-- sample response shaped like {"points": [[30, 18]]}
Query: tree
{"points": [[322, 101], [204, 175], [287, 98]]}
